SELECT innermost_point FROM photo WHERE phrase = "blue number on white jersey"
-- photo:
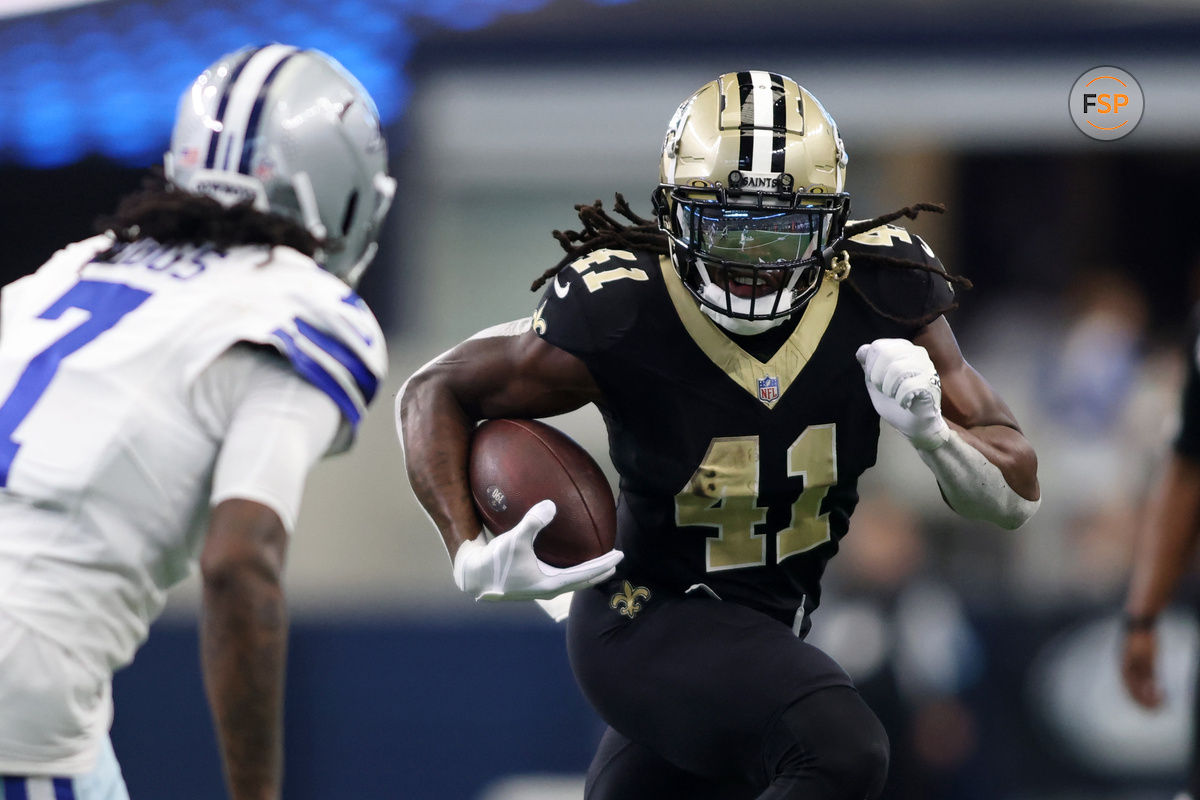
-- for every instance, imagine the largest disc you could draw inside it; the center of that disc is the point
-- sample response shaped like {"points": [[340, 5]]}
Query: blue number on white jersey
{"points": [[107, 302]]}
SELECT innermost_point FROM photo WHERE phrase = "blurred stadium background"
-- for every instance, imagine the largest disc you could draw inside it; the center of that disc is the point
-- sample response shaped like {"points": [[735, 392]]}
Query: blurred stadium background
{"points": [[989, 655]]}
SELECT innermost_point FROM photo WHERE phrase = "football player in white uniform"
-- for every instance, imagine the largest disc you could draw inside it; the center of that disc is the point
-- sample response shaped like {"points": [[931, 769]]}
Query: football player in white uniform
{"points": [[164, 390]]}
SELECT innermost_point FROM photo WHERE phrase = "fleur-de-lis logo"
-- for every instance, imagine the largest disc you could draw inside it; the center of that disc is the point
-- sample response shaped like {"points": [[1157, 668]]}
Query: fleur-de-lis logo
{"points": [[626, 601], [538, 323]]}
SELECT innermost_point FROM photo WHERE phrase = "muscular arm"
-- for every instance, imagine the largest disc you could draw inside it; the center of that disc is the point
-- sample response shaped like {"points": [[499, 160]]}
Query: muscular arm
{"points": [[1165, 545], [1167, 539], [482, 378], [244, 642], [977, 414]]}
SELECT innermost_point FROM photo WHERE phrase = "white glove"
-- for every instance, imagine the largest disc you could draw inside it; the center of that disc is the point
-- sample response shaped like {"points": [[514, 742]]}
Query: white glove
{"points": [[906, 390], [506, 567]]}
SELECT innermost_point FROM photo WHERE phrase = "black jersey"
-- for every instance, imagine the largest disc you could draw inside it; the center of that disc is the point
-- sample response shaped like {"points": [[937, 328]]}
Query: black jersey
{"points": [[737, 475]]}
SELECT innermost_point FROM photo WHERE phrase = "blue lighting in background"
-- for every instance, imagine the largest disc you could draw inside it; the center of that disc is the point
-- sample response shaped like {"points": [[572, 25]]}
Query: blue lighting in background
{"points": [[105, 78]]}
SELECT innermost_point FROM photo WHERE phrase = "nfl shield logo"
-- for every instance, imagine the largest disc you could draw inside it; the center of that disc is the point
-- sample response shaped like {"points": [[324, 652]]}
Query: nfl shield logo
{"points": [[768, 389]]}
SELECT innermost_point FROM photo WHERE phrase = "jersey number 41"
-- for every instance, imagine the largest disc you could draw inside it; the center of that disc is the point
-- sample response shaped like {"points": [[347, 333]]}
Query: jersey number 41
{"points": [[723, 494]]}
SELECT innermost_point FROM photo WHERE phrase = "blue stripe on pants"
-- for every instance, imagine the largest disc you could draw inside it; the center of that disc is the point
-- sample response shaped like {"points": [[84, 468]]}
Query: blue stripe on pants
{"points": [[17, 788], [14, 788]]}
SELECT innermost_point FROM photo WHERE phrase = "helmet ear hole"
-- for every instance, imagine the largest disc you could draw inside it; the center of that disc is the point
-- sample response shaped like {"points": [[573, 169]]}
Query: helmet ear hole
{"points": [[348, 217]]}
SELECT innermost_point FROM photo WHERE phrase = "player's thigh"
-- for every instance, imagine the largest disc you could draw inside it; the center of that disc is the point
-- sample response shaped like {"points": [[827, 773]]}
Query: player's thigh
{"points": [[105, 782], [697, 680], [54, 709], [625, 770]]}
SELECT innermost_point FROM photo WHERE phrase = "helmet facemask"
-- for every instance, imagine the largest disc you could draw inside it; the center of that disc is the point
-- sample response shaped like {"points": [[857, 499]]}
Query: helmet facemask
{"points": [[750, 259]]}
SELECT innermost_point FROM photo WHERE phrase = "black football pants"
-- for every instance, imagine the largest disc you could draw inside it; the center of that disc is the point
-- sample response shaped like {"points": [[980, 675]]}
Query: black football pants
{"points": [[708, 700]]}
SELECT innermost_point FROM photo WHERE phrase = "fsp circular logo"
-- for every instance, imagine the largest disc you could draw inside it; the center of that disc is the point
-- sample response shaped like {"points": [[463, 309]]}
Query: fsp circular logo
{"points": [[1106, 103]]}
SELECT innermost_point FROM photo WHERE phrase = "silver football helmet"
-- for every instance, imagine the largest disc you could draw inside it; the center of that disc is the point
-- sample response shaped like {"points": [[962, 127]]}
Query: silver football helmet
{"points": [[295, 133], [751, 191]]}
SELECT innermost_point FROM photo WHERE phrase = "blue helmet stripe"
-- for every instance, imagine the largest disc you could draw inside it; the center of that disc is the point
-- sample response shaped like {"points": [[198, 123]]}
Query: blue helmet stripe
{"points": [[63, 789], [315, 374], [368, 384], [215, 137], [256, 115]]}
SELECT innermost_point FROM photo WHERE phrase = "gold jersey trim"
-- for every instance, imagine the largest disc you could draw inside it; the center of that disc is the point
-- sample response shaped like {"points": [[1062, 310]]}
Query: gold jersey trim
{"points": [[744, 369]]}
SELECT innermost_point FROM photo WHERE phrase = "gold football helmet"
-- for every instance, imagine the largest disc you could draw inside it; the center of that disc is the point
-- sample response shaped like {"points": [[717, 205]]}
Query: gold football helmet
{"points": [[751, 190]]}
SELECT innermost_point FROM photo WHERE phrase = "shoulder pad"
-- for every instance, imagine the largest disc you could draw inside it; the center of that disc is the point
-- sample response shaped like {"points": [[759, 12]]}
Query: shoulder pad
{"points": [[594, 300], [337, 350], [907, 293], [899, 243], [321, 326]]}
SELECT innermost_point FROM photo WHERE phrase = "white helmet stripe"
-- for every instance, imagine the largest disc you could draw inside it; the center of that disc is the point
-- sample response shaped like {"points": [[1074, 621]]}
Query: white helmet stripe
{"points": [[251, 134], [210, 160], [763, 100], [242, 98], [762, 122]]}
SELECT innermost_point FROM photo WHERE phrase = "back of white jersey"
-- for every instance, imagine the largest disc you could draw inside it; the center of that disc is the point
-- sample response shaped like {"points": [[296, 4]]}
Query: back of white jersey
{"points": [[105, 469]]}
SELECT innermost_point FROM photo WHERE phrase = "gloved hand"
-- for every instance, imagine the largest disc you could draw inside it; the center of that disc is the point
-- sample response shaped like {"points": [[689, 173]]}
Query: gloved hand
{"points": [[506, 567], [905, 389]]}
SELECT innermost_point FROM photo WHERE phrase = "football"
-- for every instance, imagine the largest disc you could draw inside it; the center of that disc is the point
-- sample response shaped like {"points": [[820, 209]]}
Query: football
{"points": [[515, 463]]}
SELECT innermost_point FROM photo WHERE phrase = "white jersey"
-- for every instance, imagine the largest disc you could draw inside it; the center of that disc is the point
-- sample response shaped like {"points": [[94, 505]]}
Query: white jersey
{"points": [[106, 467]]}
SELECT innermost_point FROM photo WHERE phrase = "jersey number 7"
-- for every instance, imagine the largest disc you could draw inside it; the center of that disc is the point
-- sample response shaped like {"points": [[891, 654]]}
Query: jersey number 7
{"points": [[107, 303]]}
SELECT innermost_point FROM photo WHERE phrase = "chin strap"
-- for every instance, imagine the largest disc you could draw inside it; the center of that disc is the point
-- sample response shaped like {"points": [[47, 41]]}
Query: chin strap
{"points": [[741, 327]]}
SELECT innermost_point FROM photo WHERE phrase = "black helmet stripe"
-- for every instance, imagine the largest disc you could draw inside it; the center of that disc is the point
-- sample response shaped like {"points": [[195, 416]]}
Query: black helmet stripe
{"points": [[763, 122], [746, 98], [211, 160], [251, 136]]}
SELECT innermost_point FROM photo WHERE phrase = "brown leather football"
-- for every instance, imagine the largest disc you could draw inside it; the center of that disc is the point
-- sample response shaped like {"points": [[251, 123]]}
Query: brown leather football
{"points": [[515, 463]]}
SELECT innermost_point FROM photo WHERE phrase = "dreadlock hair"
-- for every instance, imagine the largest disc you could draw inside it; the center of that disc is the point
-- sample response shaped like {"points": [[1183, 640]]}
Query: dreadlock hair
{"points": [[911, 212], [171, 216], [600, 229]]}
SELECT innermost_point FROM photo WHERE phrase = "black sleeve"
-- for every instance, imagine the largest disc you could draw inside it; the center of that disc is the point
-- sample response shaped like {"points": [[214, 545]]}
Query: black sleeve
{"points": [[898, 273], [587, 309], [1187, 442], [939, 292]]}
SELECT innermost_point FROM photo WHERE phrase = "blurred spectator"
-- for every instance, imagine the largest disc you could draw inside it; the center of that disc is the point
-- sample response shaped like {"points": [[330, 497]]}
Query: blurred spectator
{"points": [[1086, 375], [904, 636]]}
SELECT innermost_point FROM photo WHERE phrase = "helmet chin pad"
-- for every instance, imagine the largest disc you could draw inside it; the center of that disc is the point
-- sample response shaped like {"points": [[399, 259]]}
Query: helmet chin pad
{"points": [[741, 327]]}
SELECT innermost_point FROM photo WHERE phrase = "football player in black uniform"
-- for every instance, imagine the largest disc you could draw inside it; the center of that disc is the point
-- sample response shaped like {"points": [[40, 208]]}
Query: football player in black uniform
{"points": [[726, 347], [1167, 542]]}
